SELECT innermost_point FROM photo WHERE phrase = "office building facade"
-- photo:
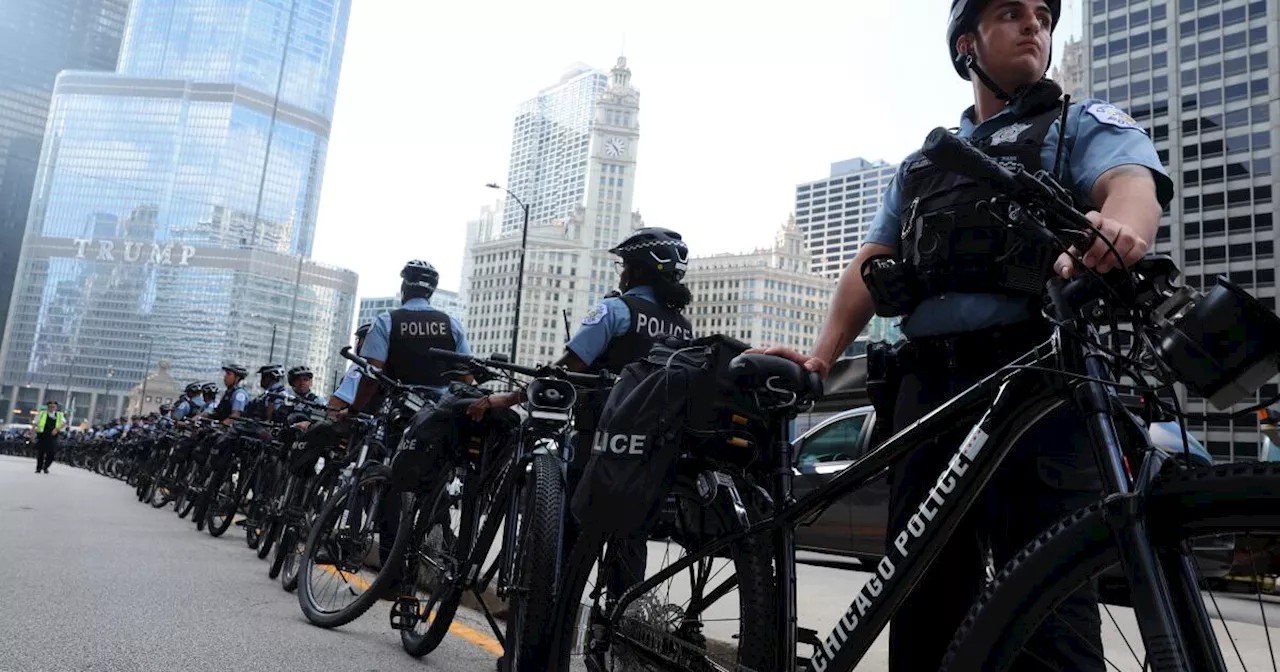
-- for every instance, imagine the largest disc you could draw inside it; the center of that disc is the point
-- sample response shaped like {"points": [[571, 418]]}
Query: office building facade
{"points": [[443, 300], [174, 209], [768, 296], [1198, 76], [39, 39]]}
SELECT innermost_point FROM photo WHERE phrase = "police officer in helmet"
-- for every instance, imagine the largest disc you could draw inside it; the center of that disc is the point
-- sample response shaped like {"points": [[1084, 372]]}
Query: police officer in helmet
{"points": [[300, 382], [617, 331], [970, 319], [400, 339], [235, 399], [346, 392], [189, 403]]}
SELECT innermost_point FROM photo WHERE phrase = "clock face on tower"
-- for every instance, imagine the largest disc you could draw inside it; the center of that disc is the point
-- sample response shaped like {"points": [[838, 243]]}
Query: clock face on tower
{"points": [[615, 147]]}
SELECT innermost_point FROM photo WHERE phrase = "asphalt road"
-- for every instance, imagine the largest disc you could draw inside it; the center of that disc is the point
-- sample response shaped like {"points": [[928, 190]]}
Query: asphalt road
{"points": [[94, 581]]}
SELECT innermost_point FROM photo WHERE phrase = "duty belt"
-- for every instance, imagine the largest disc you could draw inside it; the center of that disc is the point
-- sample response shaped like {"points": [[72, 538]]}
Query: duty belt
{"points": [[975, 350]]}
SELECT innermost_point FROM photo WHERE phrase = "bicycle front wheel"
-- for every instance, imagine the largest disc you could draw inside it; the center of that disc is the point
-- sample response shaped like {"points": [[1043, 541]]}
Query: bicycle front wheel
{"points": [[1226, 499], [537, 562]]}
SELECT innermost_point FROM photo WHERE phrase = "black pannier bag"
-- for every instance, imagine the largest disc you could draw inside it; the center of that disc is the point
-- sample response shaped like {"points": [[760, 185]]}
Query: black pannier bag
{"points": [[678, 399]]}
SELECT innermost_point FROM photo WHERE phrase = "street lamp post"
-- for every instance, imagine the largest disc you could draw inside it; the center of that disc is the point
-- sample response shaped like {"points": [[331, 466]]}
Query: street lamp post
{"points": [[524, 241], [272, 355]]}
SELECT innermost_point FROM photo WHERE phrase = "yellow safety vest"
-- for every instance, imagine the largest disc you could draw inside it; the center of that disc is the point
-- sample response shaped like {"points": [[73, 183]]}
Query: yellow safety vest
{"points": [[59, 421]]}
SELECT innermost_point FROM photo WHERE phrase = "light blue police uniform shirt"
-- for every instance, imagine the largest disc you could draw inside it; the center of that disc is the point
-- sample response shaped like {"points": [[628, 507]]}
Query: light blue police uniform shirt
{"points": [[607, 319], [350, 383], [239, 399], [187, 407], [1099, 137]]}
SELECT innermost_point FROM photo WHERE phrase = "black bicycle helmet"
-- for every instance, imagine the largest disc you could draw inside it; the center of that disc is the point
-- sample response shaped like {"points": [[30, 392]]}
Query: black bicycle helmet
{"points": [[192, 390], [299, 371], [165, 408], [363, 330], [274, 371], [236, 369], [659, 249], [420, 275], [209, 389], [964, 18]]}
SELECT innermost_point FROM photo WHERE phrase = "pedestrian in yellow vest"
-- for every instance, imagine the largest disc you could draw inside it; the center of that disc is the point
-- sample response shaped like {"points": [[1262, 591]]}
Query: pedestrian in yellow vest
{"points": [[49, 424]]}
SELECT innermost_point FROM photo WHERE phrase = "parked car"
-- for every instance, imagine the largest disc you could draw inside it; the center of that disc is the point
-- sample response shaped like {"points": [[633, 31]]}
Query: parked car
{"points": [[855, 525]]}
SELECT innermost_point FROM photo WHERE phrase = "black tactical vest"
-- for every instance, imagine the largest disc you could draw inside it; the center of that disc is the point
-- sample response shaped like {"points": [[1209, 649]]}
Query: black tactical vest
{"points": [[649, 322], [223, 409], [413, 332], [950, 240]]}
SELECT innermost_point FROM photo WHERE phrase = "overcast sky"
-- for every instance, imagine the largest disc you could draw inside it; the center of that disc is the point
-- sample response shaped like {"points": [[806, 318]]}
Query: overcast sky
{"points": [[738, 104]]}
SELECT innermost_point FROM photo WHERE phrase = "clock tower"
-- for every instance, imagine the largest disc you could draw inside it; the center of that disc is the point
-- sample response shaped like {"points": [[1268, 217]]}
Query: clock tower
{"points": [[611, 180]]}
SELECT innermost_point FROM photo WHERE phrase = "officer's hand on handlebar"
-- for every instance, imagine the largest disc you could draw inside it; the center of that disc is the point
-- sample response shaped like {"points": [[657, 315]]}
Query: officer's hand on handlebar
{"points": [[500, 400], [1099, 257], [810, 363]]}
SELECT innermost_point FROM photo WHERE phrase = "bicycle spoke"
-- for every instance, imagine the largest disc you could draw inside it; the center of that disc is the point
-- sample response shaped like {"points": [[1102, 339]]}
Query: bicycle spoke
{"points": [[1122, 637], [1257, 587]]}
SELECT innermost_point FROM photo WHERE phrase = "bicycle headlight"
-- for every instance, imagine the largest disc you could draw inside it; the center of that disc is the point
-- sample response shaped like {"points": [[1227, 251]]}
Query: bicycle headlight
{"points": [[1223, 344], [551, 394]]}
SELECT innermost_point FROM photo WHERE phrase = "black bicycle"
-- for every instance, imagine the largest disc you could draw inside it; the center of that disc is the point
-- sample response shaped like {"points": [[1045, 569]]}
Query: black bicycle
{"points": [[508, 476], [736, 520]]}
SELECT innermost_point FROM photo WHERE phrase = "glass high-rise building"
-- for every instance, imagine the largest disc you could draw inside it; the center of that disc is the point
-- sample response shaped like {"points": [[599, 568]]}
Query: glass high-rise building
{"points": [[174, 208], [38, 39], [550, 148], [1199, 76]]}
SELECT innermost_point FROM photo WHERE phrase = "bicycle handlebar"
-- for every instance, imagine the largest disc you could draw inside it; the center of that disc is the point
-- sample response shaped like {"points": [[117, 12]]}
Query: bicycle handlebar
{"points": [[601, 379]]}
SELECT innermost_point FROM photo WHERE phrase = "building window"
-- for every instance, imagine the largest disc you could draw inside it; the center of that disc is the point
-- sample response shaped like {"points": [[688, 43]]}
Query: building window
{"points": [[1187, 77], [1187, 28], [1159, 59], [1099, 52], [1258, 61], [1141, 87], [1159, 11], [1210, 97], [1257, 8], [1209, 22], [1237, 91], [1119, 46], [1187, 53], [1233, 41], [1258, 35], [1262, 139], [1160, 83], [1210, 47], [1233, 16], [1235, 66], [1210, 72], [1189, 101]]}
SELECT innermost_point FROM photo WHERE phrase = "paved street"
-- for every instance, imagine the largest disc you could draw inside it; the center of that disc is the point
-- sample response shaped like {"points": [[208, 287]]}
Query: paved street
{"points": [[95, 581]]}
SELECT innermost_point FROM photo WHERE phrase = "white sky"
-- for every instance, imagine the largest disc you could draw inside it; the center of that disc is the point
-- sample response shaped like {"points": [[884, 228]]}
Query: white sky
{"points": [[739, 102]]}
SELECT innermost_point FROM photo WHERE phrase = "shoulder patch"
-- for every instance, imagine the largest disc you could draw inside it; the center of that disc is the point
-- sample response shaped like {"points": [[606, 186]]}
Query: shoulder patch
{"points": [[597, 313], [1114, 116]]}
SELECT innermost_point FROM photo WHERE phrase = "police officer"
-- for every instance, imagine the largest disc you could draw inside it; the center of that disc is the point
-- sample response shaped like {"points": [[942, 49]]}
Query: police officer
{"points": [[189, 403], [235, 399], [300, 382], [617, 331], [346, 392], [969, 321], [49, 424], [274, 393], [399, 340]]}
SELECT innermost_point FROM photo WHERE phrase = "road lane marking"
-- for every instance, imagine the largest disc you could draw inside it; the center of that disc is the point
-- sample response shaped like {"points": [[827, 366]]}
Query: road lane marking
{"points": [[469, 635]]}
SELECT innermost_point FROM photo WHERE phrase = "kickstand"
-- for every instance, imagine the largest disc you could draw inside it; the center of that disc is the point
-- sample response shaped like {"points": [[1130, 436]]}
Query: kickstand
{"points": [[493, 624]]}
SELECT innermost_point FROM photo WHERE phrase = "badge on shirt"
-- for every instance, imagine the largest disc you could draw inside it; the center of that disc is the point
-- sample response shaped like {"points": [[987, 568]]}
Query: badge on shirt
{"points": [[1009, 133], [596, 314], [1110, 114]]}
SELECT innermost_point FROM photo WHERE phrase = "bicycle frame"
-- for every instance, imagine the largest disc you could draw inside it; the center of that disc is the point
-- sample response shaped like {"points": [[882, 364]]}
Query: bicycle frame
{"points": [[1007, 402]]}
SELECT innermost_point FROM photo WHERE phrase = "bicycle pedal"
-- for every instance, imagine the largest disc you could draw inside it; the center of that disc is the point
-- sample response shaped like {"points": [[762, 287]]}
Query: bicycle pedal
{"points": [[807, 636], [406, 612]]}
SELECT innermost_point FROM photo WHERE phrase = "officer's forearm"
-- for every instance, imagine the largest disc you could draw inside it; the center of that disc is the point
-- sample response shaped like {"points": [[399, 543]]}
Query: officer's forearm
{"points": [[851, 308], [1127, 194], [366, 389]]}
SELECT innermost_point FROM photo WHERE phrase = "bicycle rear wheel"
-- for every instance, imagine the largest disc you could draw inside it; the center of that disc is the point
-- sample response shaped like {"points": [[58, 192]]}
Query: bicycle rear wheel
{"points": [[718, 614], [1234, 498], [437, 553]]}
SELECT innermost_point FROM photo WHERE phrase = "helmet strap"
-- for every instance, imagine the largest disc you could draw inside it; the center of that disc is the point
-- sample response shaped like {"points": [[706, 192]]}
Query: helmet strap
{"points": [[969, 62]]}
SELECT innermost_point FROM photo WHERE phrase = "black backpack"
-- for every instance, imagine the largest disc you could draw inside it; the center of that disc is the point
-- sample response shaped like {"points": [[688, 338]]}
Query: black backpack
{"points": [[677, 399]]}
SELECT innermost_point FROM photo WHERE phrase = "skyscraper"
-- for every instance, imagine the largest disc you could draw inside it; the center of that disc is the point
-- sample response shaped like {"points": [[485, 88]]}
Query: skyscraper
{"points": [[174, 207], [38, 39], [833, 213], [573, 161], [1195, 74]]}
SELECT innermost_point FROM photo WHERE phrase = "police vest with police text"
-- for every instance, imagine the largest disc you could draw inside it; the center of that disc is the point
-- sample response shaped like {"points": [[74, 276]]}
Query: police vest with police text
{"points": [[950, 241], [413, 333], [649, 322]]}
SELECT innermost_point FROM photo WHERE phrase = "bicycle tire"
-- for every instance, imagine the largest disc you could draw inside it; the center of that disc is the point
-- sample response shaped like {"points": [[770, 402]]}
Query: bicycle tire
{"points": [[1221, 499], [277, 555], [413, 643], [268, 540], [759, 635], [292, 558], [538, 563], [242, 487], [331, 510]]}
